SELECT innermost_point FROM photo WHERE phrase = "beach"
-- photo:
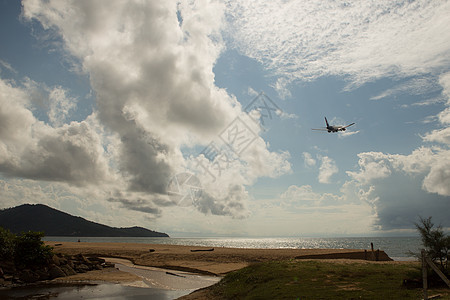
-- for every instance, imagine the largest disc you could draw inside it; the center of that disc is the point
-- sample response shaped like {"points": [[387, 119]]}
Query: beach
{"points": [[216, 261], [167, 266]]}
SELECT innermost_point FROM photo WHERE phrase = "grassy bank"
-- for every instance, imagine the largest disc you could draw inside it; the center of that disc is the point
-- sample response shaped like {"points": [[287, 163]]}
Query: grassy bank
{"points": [[297, 279]]}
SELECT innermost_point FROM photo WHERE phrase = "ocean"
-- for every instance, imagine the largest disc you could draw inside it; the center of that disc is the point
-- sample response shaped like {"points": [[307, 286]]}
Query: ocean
{"points": [[396, 247]]}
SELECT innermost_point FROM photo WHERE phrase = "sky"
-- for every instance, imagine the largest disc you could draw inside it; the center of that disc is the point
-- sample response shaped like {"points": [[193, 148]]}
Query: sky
{"points": [[194, 117]]}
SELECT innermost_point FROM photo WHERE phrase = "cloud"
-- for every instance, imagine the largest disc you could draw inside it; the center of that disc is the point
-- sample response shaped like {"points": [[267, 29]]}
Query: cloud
{"points": [[91, 204], [439, 135], [438, 179], [285, 116], [423, 172], [153, 81], [327, 166], [444, 116], [15, 119], [373, 165], [31, 149], [414, 86], [309, 160], [363, 41], [305, 196], [233, 204], [343, 134], [252, 92], [302, 210], [444, 81], [282, 87], [7, 66], [431, 101], [55, 102], [153, 85], [61, 106], [327, 169], [70, 155], [140, 205], [221, 171]]}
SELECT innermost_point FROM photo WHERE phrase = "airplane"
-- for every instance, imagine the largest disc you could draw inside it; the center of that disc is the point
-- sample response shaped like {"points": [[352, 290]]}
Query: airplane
{"points": [[333, 128]]}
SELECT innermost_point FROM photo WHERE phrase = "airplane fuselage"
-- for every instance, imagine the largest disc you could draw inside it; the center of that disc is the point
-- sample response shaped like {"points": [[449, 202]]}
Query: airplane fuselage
{"points": [[335, 129], [331, 128]]}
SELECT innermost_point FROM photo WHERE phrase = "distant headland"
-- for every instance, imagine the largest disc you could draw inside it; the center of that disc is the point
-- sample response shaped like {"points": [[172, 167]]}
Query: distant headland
{"points": [[39, 217]]}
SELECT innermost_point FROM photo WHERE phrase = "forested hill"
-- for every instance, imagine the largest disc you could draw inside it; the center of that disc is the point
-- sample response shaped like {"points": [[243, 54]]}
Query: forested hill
{"points": [[52, 222]]}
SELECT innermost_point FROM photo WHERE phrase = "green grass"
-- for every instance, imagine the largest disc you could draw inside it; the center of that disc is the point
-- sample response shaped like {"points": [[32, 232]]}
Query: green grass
{"points": [[321, 280]]}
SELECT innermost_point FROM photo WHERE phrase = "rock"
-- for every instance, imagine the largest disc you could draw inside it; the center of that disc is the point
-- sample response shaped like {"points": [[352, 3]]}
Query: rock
{"points": [[56, 272], [43, 274], [59, 259], [107, 265], [28, 276], [68, 270], [70, 261], [63, 261], [8, 267], [83, 259], [82, 268], [96, 260], [9, 277], [56, 260]]}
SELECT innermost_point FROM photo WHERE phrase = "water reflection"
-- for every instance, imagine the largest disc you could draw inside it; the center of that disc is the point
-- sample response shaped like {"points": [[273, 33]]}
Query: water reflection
{"points": [[393, 246], [90, 291]]}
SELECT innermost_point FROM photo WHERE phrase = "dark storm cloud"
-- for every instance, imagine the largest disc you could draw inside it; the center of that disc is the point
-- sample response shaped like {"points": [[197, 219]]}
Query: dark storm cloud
{"points": [[144, 161], [140, 205], [402, 200]]}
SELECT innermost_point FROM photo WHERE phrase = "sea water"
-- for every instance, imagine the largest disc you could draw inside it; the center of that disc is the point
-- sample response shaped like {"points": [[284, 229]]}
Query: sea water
{"points": [[398, 248]]}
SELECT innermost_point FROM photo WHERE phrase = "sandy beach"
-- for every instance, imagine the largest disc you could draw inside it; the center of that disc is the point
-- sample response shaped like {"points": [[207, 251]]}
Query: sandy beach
{"points": [[190, 261], [218, 262]]}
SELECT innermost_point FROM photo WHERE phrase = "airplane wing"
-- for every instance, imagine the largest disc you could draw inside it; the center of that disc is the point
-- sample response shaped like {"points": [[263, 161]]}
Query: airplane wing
{"points": [[321, 129], [348, 125]]}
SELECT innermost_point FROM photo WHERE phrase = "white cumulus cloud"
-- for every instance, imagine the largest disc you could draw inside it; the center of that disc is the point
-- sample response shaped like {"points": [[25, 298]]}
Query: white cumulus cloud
{"points": [[327, 169], [150, 66]]}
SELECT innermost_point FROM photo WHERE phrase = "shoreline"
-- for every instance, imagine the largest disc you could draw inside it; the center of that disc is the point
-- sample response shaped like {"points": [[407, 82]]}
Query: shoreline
{"points": [[218, 261], [178, 264]]}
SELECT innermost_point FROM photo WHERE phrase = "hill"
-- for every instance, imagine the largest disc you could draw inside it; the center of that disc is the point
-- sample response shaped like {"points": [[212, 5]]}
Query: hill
{"points": [[39, 217]]}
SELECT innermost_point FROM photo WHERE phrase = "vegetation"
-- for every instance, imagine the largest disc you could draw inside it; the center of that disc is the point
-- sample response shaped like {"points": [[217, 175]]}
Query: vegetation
{"points": [[435, 242], [298, 279], [25, 249]]}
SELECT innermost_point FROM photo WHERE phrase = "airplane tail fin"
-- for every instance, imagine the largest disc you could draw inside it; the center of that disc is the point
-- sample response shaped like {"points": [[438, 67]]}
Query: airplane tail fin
{"points": [[326, 121]]}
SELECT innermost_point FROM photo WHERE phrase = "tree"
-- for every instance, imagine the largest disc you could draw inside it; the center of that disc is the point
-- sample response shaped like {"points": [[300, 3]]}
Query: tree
{"points": [[435, 242]]}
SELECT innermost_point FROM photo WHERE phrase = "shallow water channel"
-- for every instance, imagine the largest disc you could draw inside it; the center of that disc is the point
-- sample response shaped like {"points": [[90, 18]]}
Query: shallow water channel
{"points": [[90, 291], [155, 283]]}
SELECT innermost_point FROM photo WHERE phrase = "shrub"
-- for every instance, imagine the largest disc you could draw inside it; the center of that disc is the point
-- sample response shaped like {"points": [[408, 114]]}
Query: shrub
{"points": [[26, 249], [31, 250], [7, 244]]}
